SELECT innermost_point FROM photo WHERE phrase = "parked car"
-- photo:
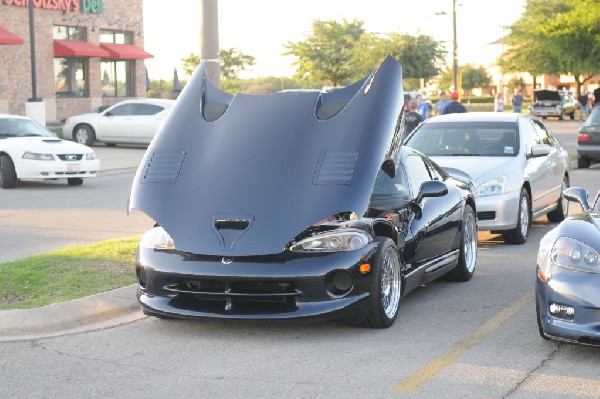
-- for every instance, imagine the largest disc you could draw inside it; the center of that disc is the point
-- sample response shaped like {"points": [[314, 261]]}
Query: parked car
{"points": [[518, 166], [568, 276], [130, 121], [300, 206], [29, 151], [588, 141], [554, 103]]}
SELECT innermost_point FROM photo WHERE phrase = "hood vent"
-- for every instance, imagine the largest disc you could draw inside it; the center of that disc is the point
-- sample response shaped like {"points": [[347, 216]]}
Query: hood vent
{"points": [[230, 228], [163, 166], [336, 166]]}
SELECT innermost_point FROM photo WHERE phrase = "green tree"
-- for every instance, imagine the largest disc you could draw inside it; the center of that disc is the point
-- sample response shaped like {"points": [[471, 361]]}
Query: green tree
{"points": [[232, 62], [555, 36], [472, 77], [419, 55], [326, 53]]}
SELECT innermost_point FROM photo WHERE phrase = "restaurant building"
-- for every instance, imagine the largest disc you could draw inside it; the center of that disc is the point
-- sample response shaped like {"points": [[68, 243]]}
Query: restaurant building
{"points": [[88, 54]]}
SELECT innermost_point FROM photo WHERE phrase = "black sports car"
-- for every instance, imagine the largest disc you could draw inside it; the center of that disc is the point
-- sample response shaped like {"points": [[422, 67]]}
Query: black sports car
{"points": [[568, 276], [295, 207]]}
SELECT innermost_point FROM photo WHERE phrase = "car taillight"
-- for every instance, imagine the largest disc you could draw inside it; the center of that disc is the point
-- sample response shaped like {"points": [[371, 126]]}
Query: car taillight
{"points": [[583, 137]]}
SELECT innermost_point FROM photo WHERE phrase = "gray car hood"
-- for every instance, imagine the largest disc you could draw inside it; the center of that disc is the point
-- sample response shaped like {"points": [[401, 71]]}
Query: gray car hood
{"points": [[245, 174]]}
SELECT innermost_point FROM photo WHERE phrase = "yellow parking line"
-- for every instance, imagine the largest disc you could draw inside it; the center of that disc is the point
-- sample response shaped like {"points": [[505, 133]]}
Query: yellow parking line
{"points": [[425, 373]]}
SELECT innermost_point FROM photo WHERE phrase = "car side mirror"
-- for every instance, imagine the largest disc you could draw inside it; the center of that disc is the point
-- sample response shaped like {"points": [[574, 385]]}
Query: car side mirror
{"points": [[540, 150], [431, 188], [108, 113], [579, 195]]}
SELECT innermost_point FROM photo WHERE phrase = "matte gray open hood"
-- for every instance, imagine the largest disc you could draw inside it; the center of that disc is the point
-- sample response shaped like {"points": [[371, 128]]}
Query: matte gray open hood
{"points": [[245, 174]]}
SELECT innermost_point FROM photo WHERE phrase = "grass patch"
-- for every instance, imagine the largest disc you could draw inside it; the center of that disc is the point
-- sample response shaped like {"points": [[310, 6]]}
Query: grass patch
{"points": [[74, 272]]}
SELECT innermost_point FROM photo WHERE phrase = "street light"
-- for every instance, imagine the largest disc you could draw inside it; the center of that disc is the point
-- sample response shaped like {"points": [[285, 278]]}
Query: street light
{"points": [[454, 45]]}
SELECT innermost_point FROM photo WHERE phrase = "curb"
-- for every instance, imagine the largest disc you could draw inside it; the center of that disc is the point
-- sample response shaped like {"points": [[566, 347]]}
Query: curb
{"points": [[97, 311]]}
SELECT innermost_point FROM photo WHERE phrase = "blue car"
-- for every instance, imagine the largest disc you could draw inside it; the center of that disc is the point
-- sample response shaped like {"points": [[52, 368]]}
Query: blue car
{"points": [[568, 276]]}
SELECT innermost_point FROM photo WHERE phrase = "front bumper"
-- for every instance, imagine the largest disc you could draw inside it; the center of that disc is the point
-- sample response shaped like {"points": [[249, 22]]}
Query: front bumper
{"points": [[545, 112], [276, 287], [29, 169], [498, 212], [579, 291]]}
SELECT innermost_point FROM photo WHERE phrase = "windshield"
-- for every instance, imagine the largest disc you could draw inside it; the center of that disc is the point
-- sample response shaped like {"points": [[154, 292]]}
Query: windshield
{"points": [[16, 127], [485, 138]]}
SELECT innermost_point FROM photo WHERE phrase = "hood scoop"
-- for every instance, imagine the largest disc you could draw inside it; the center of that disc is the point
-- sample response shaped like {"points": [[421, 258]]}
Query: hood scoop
{"points": [[52, 141], [230, 228]]}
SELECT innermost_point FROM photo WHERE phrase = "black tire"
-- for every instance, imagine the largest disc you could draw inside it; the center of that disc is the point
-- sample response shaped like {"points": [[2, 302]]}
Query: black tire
{"points": [[84, 134], [75, 181], [519, 234], [387, 274], [583, 162], [467, 259], [572, 115], [562, 115], [562, 208], [8, 175]]}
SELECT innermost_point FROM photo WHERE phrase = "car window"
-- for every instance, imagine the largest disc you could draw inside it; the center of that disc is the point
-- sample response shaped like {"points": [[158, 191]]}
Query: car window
{"points": [[466, 138], [527, 131], [386, 186], [124, 109], [417, 173], [594, 118], [542, 133], [13, 127], [149, 109]]}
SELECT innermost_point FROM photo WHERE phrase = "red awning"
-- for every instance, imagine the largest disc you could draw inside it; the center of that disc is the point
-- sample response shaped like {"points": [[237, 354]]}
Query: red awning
{"points": [[69, 48], [125, 51], [9, 38]]}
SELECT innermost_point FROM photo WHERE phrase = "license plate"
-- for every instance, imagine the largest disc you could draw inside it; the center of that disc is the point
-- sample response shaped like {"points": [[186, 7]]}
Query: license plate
{"points": [[73, 167]]}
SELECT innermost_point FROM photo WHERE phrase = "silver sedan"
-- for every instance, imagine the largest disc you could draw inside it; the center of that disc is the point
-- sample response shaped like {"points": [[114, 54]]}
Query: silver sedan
{"points": [[518, 166]]}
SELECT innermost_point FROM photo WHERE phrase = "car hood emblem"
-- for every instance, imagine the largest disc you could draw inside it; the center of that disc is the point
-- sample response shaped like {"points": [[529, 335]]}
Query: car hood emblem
{"points": [[227, 261]]}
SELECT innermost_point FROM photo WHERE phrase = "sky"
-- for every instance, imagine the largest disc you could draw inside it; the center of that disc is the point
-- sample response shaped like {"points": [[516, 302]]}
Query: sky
{"points": [[261, 28]]}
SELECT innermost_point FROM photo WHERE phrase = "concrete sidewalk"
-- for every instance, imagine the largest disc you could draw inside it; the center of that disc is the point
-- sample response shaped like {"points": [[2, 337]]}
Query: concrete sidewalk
{"points": [[94, 312]]}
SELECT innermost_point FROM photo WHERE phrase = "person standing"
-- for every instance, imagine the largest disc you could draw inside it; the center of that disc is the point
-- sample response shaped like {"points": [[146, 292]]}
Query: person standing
{"points": [[583, 106], [413, 118], [517, 102], [422, 108], [441, 104], [499, 103], [455, 107]]}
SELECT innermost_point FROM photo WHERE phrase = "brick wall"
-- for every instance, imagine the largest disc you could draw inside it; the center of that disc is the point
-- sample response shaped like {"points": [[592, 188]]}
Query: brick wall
{"points": [[15, 60]]}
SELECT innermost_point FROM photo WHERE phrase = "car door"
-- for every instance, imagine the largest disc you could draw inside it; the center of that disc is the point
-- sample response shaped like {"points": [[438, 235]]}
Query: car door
{"points": [[434, 229], [115, 123], [538, 170], [555, 163], [146, 121]]}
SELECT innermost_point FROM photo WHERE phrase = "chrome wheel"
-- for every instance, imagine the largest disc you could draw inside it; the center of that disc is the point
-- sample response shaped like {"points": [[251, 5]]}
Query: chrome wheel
{"points": [[524, 217], [470, 243], [390, 284]]}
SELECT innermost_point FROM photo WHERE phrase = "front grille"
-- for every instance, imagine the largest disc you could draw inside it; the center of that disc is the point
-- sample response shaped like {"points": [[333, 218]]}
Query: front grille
{"points": [[239, 297], [490, 215], [70, 157]]}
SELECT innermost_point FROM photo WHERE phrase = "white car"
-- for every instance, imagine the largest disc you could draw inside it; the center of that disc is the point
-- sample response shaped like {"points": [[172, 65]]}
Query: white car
{"points": [[29, 151], [128, 122], [519, 168]]}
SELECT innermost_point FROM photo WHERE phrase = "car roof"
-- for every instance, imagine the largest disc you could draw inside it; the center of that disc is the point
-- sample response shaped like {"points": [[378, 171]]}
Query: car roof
{"points": [[6, 116], [157, 101], [478, 117]]}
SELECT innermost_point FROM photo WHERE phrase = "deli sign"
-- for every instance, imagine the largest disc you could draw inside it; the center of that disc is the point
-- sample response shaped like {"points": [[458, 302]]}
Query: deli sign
{"points": [[91, 6]]}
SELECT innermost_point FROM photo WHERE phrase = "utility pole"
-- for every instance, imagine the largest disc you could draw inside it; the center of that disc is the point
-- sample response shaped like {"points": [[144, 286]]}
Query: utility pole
{"points": [[34, 107], [209, 40], [455, 48]]}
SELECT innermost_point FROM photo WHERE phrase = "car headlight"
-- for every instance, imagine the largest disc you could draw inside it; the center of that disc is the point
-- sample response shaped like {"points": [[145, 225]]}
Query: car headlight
{"points": [[334, 241], [574, 254], [496, 186], [157, 238], [34, 156], [90, 156]]}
